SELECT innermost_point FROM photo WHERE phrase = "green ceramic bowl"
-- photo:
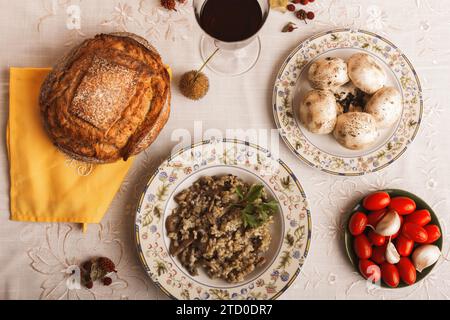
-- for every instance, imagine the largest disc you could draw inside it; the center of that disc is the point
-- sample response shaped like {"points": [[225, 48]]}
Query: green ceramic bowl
{"points": [[393, 193]]}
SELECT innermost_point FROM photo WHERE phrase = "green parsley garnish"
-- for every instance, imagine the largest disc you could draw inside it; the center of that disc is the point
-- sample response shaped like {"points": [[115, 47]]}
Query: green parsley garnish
{"points": [[255, 212]]}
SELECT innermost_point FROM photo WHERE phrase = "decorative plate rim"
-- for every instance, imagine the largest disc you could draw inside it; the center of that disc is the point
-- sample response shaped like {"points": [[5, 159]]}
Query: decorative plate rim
{"points": [[306, 220], [404, 145]]}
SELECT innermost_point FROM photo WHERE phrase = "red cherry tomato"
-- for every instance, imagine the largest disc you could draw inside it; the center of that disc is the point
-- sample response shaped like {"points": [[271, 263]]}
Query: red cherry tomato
{"points": [[370, 270], [390, 275], [377, 201], [376, 239], [414, 232], [404, 246], [374, 217], [434, 233], [407, 271], [362, 246], [420, 217], [403, 205], [395, 236], [379, 254], [357, 224]]}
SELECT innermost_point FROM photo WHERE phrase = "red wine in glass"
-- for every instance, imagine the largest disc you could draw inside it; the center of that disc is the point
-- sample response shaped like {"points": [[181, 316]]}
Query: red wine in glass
{"points": [[231, 20], [231, 28]]}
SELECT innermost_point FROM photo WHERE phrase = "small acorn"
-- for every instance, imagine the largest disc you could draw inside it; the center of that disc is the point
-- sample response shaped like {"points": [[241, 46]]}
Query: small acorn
{"points": [[194, 85]]}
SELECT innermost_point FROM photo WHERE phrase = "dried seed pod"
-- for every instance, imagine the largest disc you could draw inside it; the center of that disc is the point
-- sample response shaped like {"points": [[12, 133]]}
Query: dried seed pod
{"points": [[168, 4], [194, 85]]}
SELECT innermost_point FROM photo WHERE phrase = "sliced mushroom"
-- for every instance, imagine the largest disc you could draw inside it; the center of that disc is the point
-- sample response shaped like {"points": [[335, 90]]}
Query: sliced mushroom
{"points": [[172, 223], [176, 249]]}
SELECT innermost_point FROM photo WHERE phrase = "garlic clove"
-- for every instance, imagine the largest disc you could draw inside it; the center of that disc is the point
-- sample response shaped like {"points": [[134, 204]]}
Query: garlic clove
{"points": [[392, 256], [389, 225], [425, 256]]}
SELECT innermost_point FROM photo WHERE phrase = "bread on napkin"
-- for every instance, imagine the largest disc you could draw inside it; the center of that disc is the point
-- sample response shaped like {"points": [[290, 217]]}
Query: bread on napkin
{"points": [[107, 100], [45, 184]]}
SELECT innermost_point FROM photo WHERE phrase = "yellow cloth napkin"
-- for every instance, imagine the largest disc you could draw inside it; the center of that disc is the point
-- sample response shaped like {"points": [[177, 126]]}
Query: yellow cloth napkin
{"points": [[47, 185]]}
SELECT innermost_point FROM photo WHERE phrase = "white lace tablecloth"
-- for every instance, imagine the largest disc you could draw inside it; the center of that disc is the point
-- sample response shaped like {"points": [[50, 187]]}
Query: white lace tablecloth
{"points": [[36, 259]]}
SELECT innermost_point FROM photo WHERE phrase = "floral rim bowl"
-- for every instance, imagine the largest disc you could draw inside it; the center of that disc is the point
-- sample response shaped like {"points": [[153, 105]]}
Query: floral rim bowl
{"points": [[289, 82], [291, 234]]}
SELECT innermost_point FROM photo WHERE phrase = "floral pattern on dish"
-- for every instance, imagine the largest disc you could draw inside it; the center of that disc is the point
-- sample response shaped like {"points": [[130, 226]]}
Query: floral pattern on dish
{"points": [[295, 216], [284, 94]]}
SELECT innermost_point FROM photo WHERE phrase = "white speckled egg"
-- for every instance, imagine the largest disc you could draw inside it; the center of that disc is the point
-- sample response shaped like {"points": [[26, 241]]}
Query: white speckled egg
{"points": [[385, 106], [365, 73], [356, 130], [328, 73], [318, 111]]}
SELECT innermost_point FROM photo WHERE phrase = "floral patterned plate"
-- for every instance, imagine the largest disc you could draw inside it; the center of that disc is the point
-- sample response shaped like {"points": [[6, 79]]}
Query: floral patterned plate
{"points": [[291, 230], [323, 152]]}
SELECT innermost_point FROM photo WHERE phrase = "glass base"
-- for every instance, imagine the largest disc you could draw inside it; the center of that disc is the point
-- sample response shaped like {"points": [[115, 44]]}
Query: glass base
{"points": [[230, 62]]}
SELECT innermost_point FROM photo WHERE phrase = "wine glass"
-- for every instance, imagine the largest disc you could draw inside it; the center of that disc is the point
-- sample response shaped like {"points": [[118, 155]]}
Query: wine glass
{"points": [[231, 45]]}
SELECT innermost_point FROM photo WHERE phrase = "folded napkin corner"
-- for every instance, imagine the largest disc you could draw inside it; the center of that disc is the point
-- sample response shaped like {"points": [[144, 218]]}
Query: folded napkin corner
{"points": [[45, 184]]}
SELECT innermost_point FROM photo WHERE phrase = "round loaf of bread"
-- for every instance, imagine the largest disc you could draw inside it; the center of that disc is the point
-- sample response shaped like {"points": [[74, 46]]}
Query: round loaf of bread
{"points": [[107, 100]]}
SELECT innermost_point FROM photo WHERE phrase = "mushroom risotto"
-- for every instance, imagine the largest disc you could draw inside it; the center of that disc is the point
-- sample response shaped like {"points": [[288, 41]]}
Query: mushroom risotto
{"points": [[221, 224]]}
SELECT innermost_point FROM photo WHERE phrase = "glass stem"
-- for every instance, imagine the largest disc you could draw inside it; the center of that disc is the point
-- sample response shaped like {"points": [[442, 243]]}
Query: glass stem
{"points": [[206, 62]]}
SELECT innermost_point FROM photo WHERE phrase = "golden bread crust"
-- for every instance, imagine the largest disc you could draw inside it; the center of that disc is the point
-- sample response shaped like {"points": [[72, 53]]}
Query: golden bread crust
{"points": [[107, 99]]}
